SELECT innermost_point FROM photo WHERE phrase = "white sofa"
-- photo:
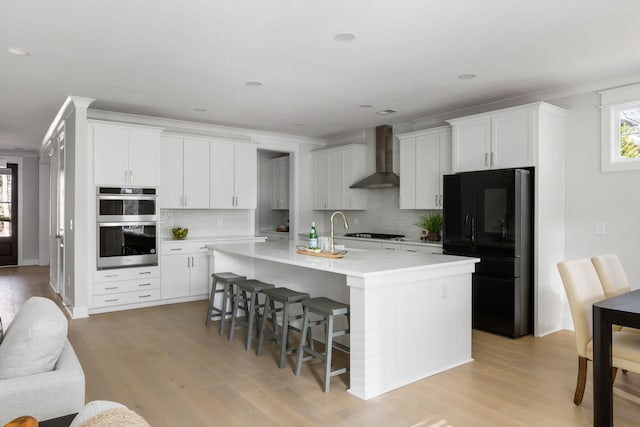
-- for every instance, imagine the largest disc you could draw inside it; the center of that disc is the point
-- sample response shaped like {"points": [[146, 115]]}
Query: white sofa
{"points": [[40, 374]]}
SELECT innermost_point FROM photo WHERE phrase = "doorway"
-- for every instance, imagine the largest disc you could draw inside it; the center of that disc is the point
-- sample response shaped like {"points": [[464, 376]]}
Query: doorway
{"points": [[9, 215]]}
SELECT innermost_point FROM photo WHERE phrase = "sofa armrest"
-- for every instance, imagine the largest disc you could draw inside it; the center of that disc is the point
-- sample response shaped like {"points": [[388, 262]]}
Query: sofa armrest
{"points": [[47, 395]]}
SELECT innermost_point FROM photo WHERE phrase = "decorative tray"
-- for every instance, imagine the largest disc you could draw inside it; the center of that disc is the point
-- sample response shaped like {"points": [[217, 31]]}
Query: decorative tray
{"points": [[303, 251]]}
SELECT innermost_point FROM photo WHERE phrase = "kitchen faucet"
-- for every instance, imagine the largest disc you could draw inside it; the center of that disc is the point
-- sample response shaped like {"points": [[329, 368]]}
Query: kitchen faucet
{"points": [[346, 226]]}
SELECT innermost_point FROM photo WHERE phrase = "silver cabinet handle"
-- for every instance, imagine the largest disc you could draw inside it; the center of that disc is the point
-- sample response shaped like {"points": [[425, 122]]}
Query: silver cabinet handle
{"points": [[111, 288], [492, 162], [144, 284], [110, 275], [144, 272], [175, 249], [144, 296], [411, 250], [130, 177], [193, 262], [486, 159], [436, 200], [111, 300], [390, 249], [126, 176], [185, 200]]}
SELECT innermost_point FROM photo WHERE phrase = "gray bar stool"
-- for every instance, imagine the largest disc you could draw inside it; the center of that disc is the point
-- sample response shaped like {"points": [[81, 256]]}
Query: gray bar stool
{"points": [[328, 309], [227, 280], [285, 297], [247, 293]]}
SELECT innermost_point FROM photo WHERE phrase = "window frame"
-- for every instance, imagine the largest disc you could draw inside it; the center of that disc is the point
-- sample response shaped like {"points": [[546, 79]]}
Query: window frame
{"points": [[614, 101]]}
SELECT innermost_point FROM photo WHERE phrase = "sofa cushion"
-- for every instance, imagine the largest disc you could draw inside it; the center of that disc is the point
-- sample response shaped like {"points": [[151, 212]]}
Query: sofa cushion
{"points": [[34, 340]]}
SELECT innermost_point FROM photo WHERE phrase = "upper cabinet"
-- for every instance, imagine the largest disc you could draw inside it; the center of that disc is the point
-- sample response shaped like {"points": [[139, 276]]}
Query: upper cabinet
{"points": [[500, 139], [234, 175], [335, 169], [184, 172], [280, 182], [125, 154], [425, 156]]}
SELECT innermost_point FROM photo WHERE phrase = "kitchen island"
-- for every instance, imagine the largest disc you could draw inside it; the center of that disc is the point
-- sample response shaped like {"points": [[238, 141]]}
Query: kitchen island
{"points": [[410, 313]]}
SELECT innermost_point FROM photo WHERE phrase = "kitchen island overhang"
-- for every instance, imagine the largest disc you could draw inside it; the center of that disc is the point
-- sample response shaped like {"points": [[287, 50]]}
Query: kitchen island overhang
{"points": [[410, 313]]}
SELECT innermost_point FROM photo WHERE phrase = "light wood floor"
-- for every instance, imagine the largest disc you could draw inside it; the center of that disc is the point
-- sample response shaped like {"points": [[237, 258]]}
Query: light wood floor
{"points": [[163, 363]]}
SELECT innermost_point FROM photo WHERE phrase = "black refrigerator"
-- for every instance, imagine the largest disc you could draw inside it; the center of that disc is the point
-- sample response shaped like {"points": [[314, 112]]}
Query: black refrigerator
{"points": [[488, 215]]}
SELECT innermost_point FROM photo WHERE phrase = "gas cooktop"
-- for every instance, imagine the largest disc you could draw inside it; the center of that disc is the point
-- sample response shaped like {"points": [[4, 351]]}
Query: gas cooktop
{"points": [[375, 236]]}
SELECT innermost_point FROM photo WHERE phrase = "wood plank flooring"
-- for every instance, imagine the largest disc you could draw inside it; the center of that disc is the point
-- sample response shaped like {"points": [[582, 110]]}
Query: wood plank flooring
{"points": [[163, 363]]}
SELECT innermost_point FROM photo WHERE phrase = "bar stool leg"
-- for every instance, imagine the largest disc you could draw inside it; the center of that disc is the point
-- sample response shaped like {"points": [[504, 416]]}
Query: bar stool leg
{"points": [[285, 335], [265, 315], [328, 339], [214, 283], [303, 336], [226, 294], [251, 318], [234, 313]]}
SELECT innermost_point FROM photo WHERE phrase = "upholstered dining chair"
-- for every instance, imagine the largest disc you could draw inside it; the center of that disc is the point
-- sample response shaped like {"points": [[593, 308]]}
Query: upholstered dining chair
{"points": [[613, 279], [583, 288]]}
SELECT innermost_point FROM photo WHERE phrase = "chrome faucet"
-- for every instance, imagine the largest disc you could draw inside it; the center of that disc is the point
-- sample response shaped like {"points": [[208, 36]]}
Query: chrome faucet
{"points": [[346, 226]]}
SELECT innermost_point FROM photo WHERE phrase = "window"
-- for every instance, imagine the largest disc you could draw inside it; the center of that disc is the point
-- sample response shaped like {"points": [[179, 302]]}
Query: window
{"points": [[621, 129]]}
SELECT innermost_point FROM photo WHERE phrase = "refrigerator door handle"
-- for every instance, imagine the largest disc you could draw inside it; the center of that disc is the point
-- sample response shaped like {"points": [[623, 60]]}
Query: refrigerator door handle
{"points": [[473, 229]]}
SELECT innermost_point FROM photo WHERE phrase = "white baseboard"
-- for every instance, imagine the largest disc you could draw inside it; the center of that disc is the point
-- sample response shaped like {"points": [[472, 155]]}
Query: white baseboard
{"points": [[30, 261]]}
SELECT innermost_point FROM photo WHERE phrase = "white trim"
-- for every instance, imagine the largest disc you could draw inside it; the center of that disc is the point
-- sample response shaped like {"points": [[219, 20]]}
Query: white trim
{"points": [[78, 101], [32, 261]]}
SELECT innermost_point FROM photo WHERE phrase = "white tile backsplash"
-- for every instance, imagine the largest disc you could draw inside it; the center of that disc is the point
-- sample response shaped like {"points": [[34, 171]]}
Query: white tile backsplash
{"points": [[207, 222], [383, 215]]}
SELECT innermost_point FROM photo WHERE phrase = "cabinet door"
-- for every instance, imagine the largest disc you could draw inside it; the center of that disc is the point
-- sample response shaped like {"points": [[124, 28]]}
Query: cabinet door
{"points": [[246, 176], [408, 173], [199, 274], [512, 139], [174, 276], [471, 145], [445, 161], [280, 183], [144, 157], [110, 155], [196, 173], [221, 190], [170, 194], [320, 180], [336, 180], [427, 180], [353, 170]]}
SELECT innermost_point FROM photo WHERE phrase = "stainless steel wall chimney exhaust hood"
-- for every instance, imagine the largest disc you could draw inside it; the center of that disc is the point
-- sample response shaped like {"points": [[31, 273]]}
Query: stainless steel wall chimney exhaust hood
{"points": [[384, 176]]}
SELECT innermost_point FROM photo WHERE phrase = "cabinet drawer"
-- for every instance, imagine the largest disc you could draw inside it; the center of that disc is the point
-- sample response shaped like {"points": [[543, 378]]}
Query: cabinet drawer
{"points": [[126, 286], [126, 298], [183, 248], [119, 274]]}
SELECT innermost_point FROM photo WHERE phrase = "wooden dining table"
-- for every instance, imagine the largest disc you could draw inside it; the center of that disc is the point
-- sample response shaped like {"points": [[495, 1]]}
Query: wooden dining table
{"points": [[623, 310]]}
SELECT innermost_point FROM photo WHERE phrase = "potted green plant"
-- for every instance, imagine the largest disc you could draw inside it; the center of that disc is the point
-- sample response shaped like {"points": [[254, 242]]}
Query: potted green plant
{"points": [[431, 224]]}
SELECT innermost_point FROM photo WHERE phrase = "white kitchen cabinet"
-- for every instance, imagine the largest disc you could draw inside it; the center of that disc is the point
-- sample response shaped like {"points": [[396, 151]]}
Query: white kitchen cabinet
{"points": [[425, 156], [496, 140], [125, 154], [124, 286], [280, 182], [274, 235], [358, 244], [234, 175], [184, 270], [335, 169], [184, 172]]}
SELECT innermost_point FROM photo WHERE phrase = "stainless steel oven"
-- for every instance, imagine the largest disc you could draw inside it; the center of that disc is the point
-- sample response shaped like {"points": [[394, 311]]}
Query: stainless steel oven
{"points": [[126, 227], [127, 204]]}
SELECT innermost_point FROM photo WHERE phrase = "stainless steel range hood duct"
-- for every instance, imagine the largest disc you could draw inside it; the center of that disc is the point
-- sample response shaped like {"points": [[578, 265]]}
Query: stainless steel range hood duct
{"points": [[384, 176]]}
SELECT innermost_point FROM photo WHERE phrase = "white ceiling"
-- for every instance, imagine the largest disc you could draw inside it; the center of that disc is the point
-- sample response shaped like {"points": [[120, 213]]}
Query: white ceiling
{"points": [[166, 57]]}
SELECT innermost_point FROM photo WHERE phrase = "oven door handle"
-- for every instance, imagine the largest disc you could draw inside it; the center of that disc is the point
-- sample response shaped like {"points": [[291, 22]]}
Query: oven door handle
{"points": [[125, 223], [127, 196]]}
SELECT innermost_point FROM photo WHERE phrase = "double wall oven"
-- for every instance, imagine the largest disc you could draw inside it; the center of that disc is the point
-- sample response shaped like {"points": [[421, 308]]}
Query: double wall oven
{"points": [[126, 227]]}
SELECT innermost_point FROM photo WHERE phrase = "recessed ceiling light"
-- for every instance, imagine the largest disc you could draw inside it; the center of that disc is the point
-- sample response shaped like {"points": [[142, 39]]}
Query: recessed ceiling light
{"points": [[345, 37], [18, 51], [467, 76], [253, 83], [387, 111], [366, 105], [200, 109]]}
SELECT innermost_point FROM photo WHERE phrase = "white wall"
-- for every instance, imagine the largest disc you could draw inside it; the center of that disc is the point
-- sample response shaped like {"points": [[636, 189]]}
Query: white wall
{"points": [[43, 214]]}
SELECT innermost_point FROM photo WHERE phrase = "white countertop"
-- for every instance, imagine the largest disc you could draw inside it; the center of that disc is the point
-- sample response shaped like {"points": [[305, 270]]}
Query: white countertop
{"points": [[401, 241], [212, 239], [357, 262]]}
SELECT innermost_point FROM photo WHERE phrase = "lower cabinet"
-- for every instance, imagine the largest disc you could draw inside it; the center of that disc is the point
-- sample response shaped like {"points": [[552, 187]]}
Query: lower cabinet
{"points": [[126, 286], [184, 269]]}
